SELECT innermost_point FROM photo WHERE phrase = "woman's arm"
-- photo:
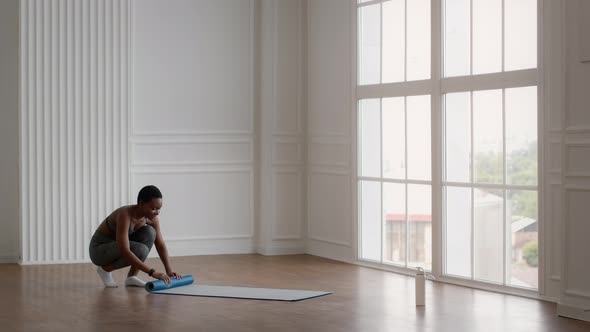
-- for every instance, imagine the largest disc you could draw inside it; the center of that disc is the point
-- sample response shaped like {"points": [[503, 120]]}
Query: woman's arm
{"points": [[161, 248]]}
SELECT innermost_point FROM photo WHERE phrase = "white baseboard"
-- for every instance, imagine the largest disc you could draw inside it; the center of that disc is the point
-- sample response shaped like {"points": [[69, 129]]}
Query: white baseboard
{"points": [[207, 247], [569, 311], [74, 261], [331, 251], [6, 259], [280, 250]]}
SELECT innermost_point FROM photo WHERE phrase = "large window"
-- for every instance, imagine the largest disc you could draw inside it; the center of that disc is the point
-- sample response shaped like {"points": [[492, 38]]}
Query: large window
{"points": [[467, 94]]}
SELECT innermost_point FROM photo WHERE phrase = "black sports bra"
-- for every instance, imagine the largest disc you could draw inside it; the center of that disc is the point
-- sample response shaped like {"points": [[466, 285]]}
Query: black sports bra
{"points": [[113, 228]]}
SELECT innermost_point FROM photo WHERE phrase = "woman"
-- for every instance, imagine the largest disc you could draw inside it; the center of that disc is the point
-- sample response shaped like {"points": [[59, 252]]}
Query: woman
{"points": [[126, 237]]}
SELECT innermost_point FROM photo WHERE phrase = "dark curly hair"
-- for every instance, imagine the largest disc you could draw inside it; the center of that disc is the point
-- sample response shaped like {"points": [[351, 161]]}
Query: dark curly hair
{"points": [[147, 193]]}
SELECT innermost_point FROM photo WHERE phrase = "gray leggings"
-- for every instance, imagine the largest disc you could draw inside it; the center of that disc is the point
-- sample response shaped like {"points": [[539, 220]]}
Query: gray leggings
{"points": [[104, 250]]}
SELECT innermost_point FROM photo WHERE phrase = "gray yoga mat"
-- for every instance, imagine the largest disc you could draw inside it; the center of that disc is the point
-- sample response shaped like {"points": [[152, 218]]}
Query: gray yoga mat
{"points": [[243, 292]]}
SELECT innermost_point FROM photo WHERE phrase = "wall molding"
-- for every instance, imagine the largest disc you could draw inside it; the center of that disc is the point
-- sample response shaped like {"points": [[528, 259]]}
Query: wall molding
{"points": [[323, 139], [209, 237], [281, 250], [51, 262], [565, 284], [192, 170], [210, 247], [9, 259], [553, 219], [157, 164], [175, 171], [569, 149], [329, 171], [200, 133], [577, 129], [299, 80], [194, 142], [324, 240], [344, 163], [188, 140], [577, 293], [569, 311], [328, 134], [253, 82], [286, 142], [298, 217]]}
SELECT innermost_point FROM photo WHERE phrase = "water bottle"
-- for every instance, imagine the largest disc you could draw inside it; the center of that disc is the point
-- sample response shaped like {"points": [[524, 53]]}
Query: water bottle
{"points": [[420, 285]]}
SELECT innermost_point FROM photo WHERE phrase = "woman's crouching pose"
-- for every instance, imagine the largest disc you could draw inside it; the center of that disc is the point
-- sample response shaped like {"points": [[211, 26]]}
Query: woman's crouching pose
{"points": [[126, 237]]}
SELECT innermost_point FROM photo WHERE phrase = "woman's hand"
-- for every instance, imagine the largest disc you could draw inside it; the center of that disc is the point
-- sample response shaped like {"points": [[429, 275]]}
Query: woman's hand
{"points": [[161, 276], [174, 275]]}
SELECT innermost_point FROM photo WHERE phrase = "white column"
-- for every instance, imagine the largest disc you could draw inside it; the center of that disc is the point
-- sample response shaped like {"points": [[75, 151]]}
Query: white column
{"points": [[282, 127], [74, 108], [9, 189], [574, 300]]}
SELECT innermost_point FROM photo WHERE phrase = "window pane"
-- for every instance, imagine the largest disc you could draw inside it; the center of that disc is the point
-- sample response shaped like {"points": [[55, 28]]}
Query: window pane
{"points": [[457, 137], [418, 40], [369, 44], [393, 41], [487, 36], [370, 215], [394, 213], [488, 237], [523, 262], [457, 38], [418, 113], [487, 136], [394, 138], [458, 231], [419, 226], [521, 135], [520, 19], [370, 136]]}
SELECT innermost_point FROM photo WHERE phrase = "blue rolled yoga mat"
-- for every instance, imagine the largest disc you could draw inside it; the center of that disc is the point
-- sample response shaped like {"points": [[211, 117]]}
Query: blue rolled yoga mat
{"points": [[158, 285]]}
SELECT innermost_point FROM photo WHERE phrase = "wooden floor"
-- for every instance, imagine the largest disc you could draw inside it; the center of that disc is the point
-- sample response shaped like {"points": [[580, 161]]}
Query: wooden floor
{"points": [[71, 298]]}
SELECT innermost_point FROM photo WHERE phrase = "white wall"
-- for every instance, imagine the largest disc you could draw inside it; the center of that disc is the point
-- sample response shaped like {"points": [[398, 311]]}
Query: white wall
{"points": [[119, 94], [192, 130], [552, 108], [575, 278], [218, 122], [9, 188], [331, 206]]}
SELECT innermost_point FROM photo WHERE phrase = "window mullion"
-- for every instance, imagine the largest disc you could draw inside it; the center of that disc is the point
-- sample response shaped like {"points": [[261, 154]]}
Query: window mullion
{"points": [[381, 222], [381, 176], [471, 178], [504, 191], [436, 143], [406, 178], [470, 37], [405, 40], [503, 80], [503, 38]]}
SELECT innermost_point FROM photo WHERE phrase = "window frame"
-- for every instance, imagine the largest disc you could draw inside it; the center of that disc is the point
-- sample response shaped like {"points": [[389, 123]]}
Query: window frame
{"points": [[437, 86]]}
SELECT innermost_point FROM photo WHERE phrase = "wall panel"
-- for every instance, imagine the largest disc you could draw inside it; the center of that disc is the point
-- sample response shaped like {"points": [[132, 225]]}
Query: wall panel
{"points": [[9, 131], [202, 203], [331, 80], [192, 124], [74, 106]]}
